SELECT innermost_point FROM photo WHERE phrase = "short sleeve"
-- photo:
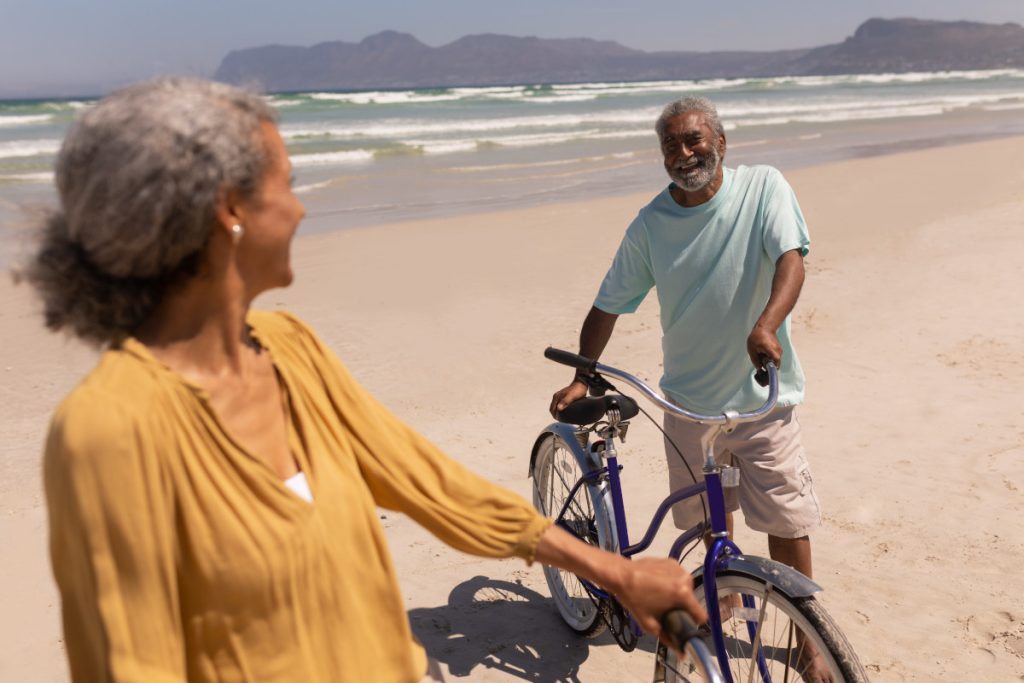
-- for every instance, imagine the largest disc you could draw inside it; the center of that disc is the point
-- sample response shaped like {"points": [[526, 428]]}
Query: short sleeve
{"points": [[404, 471], [784, 227], [630, 276], [112, 543]]}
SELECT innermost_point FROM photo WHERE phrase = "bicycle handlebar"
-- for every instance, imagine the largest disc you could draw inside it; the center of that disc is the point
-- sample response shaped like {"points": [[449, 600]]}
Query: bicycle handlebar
{"points": [[682, 633], [728, 417], [573, 360]]}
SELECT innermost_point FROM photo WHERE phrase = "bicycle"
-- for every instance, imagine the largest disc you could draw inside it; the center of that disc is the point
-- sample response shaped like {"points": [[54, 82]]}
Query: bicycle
{"points": [[764, 624]]}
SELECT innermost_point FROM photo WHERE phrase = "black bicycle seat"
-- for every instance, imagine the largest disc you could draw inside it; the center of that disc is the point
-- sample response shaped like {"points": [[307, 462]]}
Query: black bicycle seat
{"points": [[589, 410]]}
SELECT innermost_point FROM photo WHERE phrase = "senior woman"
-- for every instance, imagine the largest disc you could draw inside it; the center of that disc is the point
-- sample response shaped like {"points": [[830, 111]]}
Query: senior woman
{"points": [[212, 484]]}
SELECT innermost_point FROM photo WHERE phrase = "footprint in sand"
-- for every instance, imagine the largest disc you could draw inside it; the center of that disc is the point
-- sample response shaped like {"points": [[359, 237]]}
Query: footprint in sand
{"points": [[996, 631], [983, 355], [880, 550], [809, 319]]}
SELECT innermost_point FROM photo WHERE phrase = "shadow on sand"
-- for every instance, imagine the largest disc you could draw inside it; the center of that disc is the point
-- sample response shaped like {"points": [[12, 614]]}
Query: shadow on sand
{"points": [[507, 627]]}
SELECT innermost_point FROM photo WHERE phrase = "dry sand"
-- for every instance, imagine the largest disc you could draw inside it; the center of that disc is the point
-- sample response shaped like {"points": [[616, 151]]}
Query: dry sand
{"points": [[910, 328]]}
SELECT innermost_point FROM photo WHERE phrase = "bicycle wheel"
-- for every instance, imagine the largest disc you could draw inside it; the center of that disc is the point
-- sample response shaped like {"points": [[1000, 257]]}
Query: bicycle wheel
{"points": [[555, 471], [786, 634]]}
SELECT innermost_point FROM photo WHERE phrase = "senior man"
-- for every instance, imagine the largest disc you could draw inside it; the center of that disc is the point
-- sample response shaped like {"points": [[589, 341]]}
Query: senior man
{"points": [[724, 247]]}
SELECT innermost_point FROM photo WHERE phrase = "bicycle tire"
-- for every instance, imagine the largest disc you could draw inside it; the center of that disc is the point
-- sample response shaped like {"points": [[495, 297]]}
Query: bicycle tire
{"points": [[804, 613], [555, 470]]}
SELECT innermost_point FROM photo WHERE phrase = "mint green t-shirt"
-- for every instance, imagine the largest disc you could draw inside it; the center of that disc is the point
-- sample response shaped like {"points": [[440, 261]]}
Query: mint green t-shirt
{"points": [[712, 266]]}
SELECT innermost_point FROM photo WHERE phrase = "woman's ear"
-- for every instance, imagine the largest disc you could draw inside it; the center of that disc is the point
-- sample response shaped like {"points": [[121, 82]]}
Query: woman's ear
{"points": [[228, 209]]}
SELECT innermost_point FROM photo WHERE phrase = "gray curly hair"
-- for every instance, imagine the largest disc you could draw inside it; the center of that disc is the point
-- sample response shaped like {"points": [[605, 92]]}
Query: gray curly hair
{"points": [[688, 104], [138, 178]]}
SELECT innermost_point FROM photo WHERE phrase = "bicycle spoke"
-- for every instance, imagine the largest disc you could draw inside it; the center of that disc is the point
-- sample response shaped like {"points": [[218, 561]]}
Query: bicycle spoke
{"points": [[574, 502], [785, 662], [756, 649], [669, 668], [789, 651], [800, 655], [550, 504]]}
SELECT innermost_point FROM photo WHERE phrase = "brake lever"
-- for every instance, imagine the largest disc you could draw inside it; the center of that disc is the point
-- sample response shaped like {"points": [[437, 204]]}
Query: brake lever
{"points": [[596, 384]]}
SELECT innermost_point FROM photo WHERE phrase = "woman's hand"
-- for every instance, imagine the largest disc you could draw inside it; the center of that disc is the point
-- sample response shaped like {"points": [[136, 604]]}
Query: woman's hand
{"points": [[653, 586]]}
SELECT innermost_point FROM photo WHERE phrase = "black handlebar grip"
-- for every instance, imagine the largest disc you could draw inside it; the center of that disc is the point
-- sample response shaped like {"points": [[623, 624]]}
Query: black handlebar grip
{"points": [[761, 374], [679, 628], [573, 360]]}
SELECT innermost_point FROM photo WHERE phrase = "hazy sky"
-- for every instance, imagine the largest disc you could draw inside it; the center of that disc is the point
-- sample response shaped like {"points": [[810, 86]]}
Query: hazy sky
{"points": [[84, 46]]}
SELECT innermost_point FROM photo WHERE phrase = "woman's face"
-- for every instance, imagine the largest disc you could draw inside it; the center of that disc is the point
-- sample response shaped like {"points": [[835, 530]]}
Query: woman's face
{"points": [[270, 218]]}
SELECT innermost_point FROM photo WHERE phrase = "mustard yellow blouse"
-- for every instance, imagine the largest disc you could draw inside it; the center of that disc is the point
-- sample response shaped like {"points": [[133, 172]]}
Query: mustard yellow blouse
{"points": [[180, 556]]}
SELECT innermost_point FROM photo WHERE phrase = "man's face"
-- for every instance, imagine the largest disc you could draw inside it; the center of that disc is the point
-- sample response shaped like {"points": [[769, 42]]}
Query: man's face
{"points": [[692, 151]]}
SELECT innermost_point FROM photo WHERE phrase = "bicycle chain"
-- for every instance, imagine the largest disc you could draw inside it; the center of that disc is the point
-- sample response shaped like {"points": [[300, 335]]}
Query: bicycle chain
{"points": [[618, 622]]}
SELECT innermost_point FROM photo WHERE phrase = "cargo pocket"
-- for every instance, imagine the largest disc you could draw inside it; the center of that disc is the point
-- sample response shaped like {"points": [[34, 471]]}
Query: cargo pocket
{"points": [[805, 481]]}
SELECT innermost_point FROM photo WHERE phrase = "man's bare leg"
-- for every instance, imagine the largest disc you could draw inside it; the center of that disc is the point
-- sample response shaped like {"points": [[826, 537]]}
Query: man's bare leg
{"points": [[796, 552]]}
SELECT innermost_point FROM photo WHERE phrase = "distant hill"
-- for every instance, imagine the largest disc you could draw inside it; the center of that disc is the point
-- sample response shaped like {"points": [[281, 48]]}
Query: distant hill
{"points": [[398, 60], [901, 45]]}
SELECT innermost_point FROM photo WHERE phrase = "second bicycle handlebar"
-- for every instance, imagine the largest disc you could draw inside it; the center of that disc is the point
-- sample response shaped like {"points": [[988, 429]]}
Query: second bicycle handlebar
{"points": [[591, 366], [681, 631]]}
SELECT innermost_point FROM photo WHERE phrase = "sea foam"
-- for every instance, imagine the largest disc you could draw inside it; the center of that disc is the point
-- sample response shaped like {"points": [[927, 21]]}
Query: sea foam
{"points": [[355, 156], [27, 120], [42, 177], [28, 148]]}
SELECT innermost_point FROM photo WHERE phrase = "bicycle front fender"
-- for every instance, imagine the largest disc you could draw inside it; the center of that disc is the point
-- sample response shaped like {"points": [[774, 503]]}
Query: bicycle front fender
{"points": [[783, 578]]}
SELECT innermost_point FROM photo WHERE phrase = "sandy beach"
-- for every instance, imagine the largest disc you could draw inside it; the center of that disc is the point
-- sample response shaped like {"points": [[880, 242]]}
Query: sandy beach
{"points": [[910, 329]]}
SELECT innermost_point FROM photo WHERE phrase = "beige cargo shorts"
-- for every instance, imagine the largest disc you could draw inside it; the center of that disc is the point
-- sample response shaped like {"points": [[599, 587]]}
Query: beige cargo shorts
{"points": [[776, 491]]}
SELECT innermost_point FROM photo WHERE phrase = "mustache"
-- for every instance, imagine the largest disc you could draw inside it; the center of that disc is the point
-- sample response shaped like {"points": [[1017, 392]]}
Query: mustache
{"points": [[696, 161]]}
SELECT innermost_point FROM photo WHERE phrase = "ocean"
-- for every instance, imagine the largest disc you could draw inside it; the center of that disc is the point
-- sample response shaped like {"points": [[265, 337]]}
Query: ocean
{"points": [[370, 157]]}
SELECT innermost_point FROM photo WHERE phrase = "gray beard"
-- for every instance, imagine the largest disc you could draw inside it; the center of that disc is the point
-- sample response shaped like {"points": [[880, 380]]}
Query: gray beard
{"points": [[699, 175]]}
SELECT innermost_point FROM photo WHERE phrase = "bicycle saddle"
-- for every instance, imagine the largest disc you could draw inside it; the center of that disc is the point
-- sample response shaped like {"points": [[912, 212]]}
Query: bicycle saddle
{"points": [[588, 410]]}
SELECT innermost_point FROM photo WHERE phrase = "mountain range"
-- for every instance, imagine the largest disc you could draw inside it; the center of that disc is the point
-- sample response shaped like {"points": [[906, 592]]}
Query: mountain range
{"points": [[398, 60]]}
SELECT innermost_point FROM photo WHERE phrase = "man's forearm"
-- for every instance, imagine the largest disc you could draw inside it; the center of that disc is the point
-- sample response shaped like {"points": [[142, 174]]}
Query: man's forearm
{"points": [[786, 286], [597, 330]]}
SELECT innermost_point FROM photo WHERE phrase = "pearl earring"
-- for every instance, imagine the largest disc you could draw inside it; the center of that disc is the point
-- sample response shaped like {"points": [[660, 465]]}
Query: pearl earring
{"points": [[237, 231]]}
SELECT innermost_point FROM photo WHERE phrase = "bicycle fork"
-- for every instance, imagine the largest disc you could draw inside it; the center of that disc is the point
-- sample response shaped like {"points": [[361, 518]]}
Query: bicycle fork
{"points": [[717, 478]]}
